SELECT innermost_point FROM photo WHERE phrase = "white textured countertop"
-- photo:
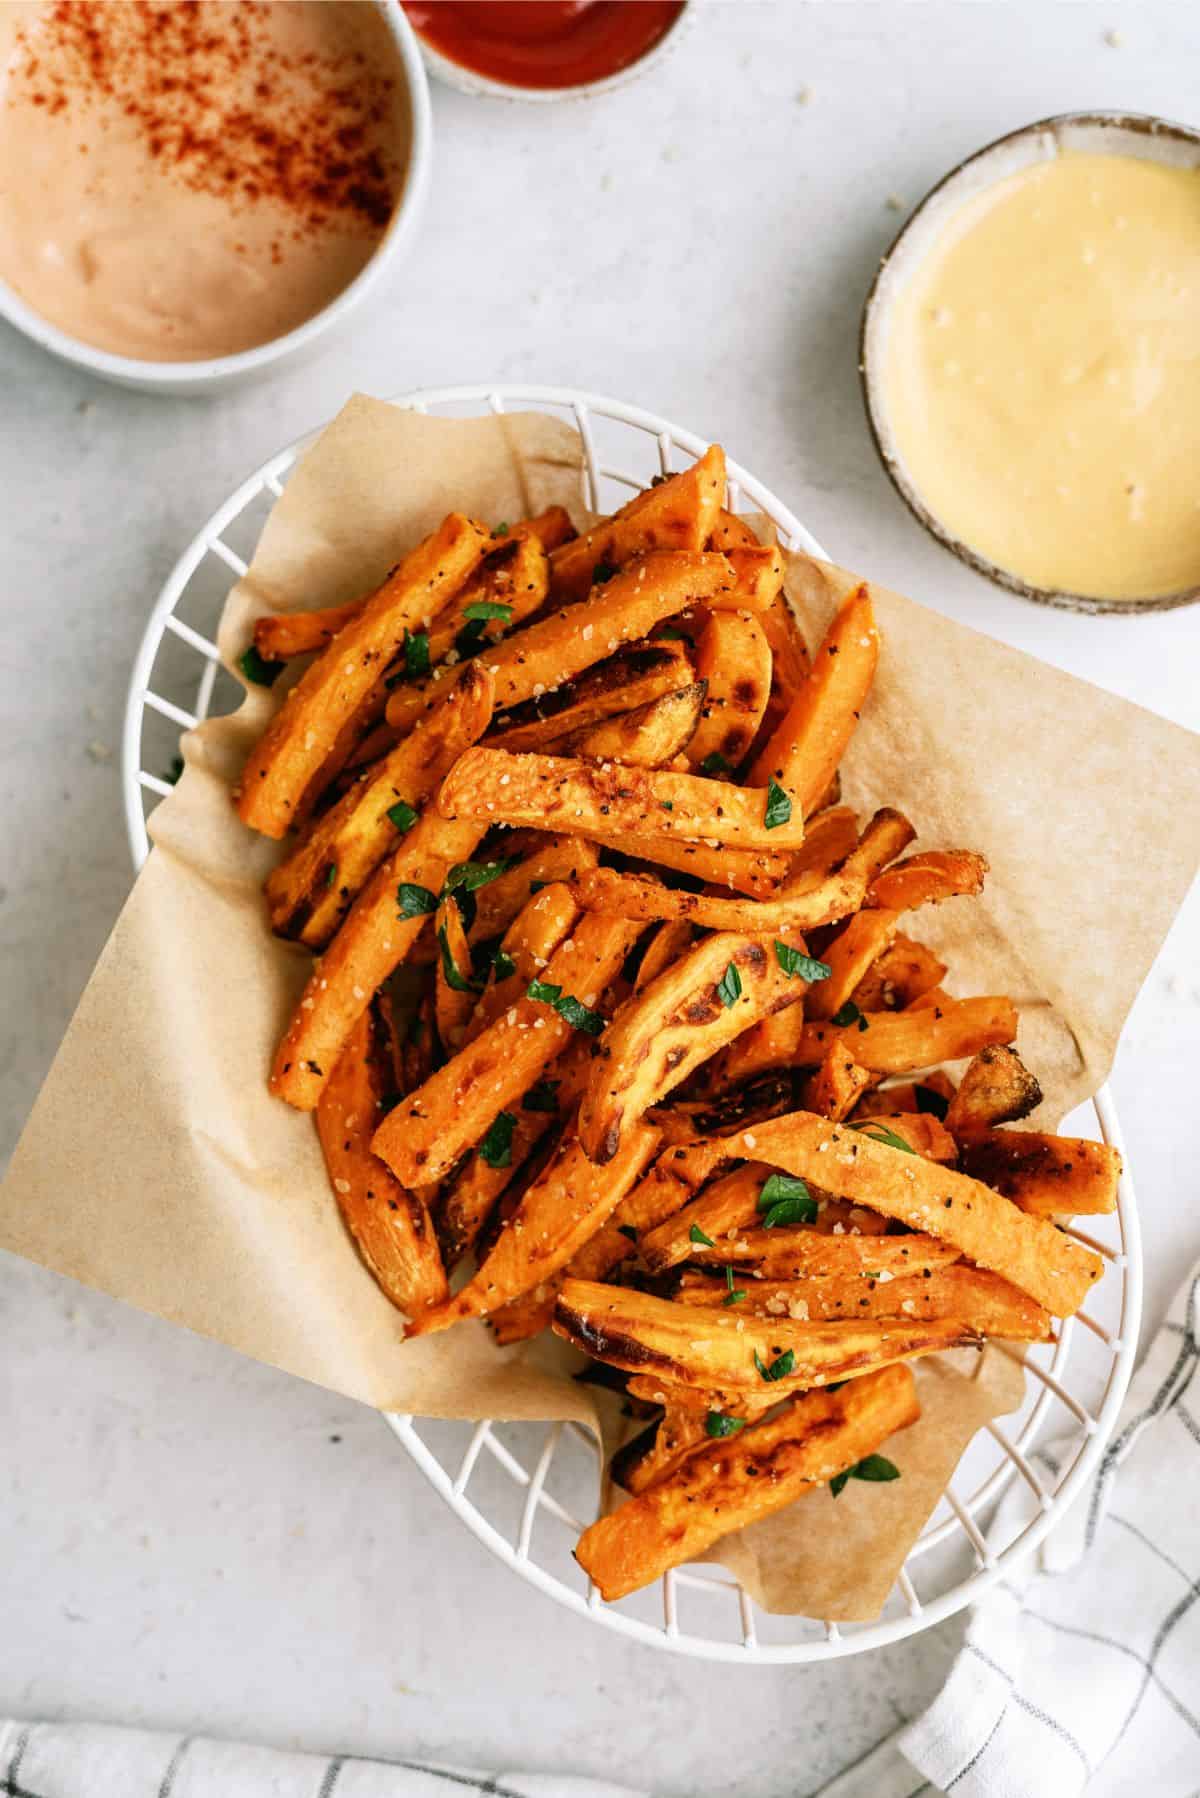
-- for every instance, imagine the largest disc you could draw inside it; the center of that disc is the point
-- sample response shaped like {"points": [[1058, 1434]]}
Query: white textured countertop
{"points": [[199, 1542]]}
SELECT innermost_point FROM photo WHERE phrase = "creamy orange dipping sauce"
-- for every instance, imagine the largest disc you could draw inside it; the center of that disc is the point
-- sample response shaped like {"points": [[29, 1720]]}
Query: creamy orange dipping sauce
{"points": [[185, 181], [1042, 376]]}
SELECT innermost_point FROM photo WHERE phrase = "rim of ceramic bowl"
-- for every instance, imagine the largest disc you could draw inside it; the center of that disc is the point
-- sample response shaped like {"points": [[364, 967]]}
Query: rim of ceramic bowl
{"points": [[217, 370], [1044, 138], [467, 81]]}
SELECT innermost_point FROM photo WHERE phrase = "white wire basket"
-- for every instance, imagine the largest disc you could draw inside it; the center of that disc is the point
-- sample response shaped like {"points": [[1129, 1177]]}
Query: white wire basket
{"points": [[526, 1490]]}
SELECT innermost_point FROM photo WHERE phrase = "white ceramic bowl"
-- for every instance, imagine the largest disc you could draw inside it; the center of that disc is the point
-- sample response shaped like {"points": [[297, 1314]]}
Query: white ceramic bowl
{"points": [[215, 373], [1117, 134], [467, 81]]}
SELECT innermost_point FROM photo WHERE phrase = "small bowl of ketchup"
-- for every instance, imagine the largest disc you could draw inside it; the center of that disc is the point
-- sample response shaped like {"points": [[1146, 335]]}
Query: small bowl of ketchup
{"points": [[543, 49]]}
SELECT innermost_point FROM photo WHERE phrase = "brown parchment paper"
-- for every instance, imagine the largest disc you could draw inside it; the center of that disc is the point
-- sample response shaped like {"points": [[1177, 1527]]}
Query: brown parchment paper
{"points": [[157, 1168]]}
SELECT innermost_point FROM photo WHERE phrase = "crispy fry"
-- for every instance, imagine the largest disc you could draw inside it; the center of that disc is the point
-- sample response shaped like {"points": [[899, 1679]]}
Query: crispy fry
{"points": [[515, 574], [928, 878], [641, 896], [667, 943], [310, 892], [695, 1401], [390, 1226], [925, 1134], [372, 942], [1047, 1176], [890, 1042], [901, 974], [755, 872], [932, 1093], [830, 836], [887, 835], [454, 989], [678, 514], [649, 1335], [837, 1085], [806, 747], [990, 1304], [996, 1088], [556, 1215], [987, 1228], [729, 1108], [560, 646], [544, 861], [566, 793], [529, 942], [732, 532], [721, 986], [634, 677], [428, 1131], [770, 1044], [304, 731], [810, 1253], [734, 658], [758, 579], [720, 1211], [646, 737], [850, 956], [659, 1450]]}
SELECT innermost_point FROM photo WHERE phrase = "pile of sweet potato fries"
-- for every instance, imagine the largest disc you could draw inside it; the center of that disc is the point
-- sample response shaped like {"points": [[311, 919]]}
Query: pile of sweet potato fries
{"points": [[615, 1002]]}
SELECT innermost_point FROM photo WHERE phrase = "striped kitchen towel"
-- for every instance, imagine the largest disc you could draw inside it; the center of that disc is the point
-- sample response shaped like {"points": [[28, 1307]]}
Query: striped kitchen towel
{"points": [[1082, 1672], [98, 1760]]}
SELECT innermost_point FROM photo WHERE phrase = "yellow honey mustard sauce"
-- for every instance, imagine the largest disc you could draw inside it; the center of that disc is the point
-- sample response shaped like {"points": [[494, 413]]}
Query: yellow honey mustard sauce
{"points": [[1042, 376]]}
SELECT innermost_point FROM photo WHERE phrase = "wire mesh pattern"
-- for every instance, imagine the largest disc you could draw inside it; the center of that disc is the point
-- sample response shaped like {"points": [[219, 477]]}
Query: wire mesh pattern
{"points": [[532, 1487]]}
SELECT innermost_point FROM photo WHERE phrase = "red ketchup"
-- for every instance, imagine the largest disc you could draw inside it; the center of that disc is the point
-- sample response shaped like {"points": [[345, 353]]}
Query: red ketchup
{"points": [[543, 43]]}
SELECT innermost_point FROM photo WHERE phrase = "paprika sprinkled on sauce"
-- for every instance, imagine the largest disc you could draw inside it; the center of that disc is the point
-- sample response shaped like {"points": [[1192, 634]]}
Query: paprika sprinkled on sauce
{"points": [[180, 181], [543, 43]]}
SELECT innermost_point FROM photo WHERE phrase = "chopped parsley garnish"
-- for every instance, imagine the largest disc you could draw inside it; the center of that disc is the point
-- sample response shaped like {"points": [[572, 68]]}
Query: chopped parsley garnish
{"points": [[402, 814], [779, 806], [717, 1424], [468, 877], [541, 1096], [416, 654], [602, 572], [503, 964], [414, 900], [790, 1211], [573, 1011], [668, 805], [937, 1104], [496, 1147], [469, 637], [454, 978], [715, 765], [779, 1369], [786, 1190], [729, 987], [331, 874], [670, 633], [872, 1467], [502, 529], [482, 609], [257, 669], [880, 1133], [848, 1014], [735, 1294], [799, 965], [696, 1234]]}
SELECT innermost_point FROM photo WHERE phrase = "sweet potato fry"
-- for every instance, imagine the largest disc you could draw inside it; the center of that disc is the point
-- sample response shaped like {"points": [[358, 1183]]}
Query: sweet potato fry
{"points": [[667, 943], [390, 1226], [928, 878], [560, 646], [300, 737], [634, 677], [528, 943], [428, 1131], [758, 579], [515, 576], [901, 974], [755, 872], [678, 514], [807, 745], [732, 532], [544, 861], [887, 835], [925, 1134], [556, 1215], [659, 1450], [721, 986], [991, 1305], [1047, 1176], [649, 1335], [454, 992], [310, 892], [830, 836], [987, 1228], [649, 736], [850, 956], [804, 1254], [381, 928], [566, 793], [996, 1088], [932, 1093], [734, 658], [837, 1085], [723, 1208], [729, 1108], [891, 1042]]}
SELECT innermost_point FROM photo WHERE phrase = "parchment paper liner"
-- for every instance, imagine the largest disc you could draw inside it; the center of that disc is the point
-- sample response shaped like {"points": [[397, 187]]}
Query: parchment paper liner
{"points": [[157, 1168]]}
